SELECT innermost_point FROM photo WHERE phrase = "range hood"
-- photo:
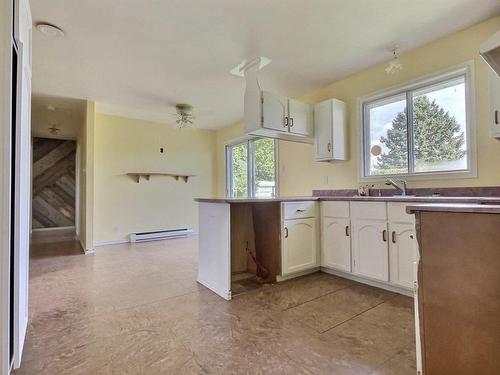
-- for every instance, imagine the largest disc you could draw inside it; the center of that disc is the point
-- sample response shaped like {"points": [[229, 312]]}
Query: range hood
{"points": [[490, 51]]}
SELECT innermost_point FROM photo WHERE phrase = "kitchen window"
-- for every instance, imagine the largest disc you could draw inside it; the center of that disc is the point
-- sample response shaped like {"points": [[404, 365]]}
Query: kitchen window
{"points": [[420, 130], [251, 167]]}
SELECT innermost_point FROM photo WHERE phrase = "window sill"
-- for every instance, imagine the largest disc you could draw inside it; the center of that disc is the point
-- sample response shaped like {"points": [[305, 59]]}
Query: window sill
{"points": [[428, 176]]}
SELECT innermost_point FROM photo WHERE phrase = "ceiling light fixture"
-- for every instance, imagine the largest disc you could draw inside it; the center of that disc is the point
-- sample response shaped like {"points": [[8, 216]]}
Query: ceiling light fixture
{"points": [[50, 30], [54, 130], [394, 66], [184, 115]]}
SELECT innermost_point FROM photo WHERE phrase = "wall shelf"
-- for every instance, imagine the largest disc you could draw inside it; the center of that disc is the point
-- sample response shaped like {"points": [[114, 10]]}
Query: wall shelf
{"points": [[147, 175]]}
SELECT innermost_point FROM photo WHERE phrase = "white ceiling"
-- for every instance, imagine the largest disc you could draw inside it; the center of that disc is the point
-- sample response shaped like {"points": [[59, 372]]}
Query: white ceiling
{"points": [[65, 114], [138, 58]]}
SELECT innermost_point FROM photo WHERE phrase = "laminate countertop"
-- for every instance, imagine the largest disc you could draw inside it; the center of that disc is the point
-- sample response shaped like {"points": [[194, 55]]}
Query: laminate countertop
{"points": [[454, 207], [396, 198]]}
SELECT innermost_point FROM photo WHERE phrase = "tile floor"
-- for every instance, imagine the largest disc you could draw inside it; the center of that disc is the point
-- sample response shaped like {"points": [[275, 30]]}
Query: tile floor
{"points": [[137, 309]]}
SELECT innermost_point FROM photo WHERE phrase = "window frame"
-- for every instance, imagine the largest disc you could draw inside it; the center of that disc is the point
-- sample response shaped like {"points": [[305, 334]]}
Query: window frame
{"points": [[250, 167], [466, 70]]}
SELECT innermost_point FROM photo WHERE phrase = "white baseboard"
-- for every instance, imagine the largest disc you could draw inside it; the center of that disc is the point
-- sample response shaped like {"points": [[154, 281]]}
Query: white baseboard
{"points": [[377, 284], [110, 242], [85, 250], [124, 240], [297, 274], [53, 229]]}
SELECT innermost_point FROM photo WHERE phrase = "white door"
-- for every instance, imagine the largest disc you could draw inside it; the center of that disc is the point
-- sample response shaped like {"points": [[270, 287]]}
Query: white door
{"points": [[274, 112], [300, 251], [336, 244], [300, 118], [323, 130], [370, 249], [402, 254]]}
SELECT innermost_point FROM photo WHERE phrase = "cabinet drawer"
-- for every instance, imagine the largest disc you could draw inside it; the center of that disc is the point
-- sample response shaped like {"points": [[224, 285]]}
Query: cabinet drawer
{"points": [[369, 210], [396, 212], [335, 209], [298, 210]]}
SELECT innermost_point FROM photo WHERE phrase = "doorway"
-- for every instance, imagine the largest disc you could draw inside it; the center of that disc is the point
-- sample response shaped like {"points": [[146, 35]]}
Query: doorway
{"points": [[54, 184]]}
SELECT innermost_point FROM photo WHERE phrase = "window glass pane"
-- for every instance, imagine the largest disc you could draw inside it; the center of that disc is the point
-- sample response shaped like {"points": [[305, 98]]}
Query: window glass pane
{"points": [[264, 168], [439, 127], [239, 168], [387, 151]]}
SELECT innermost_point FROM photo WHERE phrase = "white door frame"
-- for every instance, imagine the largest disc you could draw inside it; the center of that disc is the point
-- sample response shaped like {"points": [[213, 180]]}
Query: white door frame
{"points": [[22, 204], [6, 20]]}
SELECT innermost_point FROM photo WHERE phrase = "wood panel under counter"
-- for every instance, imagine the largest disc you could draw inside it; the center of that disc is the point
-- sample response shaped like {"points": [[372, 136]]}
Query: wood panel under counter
{"points": [[459, 288]]}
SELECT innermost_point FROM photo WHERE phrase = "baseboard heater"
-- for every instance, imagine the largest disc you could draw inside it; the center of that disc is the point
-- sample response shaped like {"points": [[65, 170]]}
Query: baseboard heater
{"points": [[160, 235]]}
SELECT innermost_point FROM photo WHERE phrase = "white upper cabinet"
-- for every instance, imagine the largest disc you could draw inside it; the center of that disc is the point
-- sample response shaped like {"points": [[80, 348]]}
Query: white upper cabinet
{"points": [[490, 51], [494, 83], [274, 112], [300, 118], [330, 129], [285, 118], [274, 116]]}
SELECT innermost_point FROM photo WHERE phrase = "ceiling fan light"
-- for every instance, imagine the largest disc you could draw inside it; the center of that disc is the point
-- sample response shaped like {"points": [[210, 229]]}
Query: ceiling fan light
{"points": [[394, 66]]}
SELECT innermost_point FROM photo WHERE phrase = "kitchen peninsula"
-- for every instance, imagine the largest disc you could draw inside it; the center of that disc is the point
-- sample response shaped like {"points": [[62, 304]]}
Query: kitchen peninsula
{"points": [[366, 239]]}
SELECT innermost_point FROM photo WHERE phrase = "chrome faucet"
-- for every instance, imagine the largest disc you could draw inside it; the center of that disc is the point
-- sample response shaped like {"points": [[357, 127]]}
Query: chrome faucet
{"points": [[400, 185]]}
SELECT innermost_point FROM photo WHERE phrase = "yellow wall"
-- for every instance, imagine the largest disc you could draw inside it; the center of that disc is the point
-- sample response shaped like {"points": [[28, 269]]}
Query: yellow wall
{"points": [[85, 141], [299, 174], [125, 145]]}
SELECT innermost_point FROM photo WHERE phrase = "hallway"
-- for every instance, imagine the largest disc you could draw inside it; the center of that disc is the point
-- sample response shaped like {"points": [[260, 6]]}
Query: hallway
{"points": [[137, 309]]}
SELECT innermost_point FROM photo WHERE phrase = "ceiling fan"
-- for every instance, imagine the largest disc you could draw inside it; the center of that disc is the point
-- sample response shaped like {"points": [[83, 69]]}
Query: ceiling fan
{"points": [[184, 113]]}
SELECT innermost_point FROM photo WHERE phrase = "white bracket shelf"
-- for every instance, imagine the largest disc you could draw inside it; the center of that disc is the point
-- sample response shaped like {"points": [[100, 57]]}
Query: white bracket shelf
{"points": [[147, 175]]}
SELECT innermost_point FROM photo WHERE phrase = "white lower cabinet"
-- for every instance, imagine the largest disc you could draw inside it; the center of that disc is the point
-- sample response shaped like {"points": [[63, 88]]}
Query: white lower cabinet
{"points": [[402, 254], [336, 244], [370, 240], [369, 249], [299, 245]]}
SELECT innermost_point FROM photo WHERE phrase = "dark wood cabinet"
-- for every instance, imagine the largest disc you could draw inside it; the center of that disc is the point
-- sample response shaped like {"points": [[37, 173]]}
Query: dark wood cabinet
{"points": [[459, 292]]}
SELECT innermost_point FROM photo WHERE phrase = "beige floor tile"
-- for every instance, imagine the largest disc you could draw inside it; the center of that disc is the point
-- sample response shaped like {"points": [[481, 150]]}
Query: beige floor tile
{"points": [[137, 309]]}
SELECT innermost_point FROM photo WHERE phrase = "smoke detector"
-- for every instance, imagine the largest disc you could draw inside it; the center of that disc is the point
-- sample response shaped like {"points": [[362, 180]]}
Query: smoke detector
{"points": [[50, 30]]}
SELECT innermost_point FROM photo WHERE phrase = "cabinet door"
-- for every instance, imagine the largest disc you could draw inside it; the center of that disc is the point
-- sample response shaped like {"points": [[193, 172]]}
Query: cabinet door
{"points": [[323, 130], [336, 244], [300, 115], [402, 254], [370, 249], [494, 82], [300, 251], [274, 112]]}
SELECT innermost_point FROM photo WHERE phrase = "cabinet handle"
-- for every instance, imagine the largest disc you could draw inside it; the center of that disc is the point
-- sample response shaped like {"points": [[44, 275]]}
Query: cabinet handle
{"points": [[393, 237], [299, 210], [286, 232], [411, 236], [291, 122], [347, 230], [285, 120], [496, 117], [384, 235], [329, 147]]}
